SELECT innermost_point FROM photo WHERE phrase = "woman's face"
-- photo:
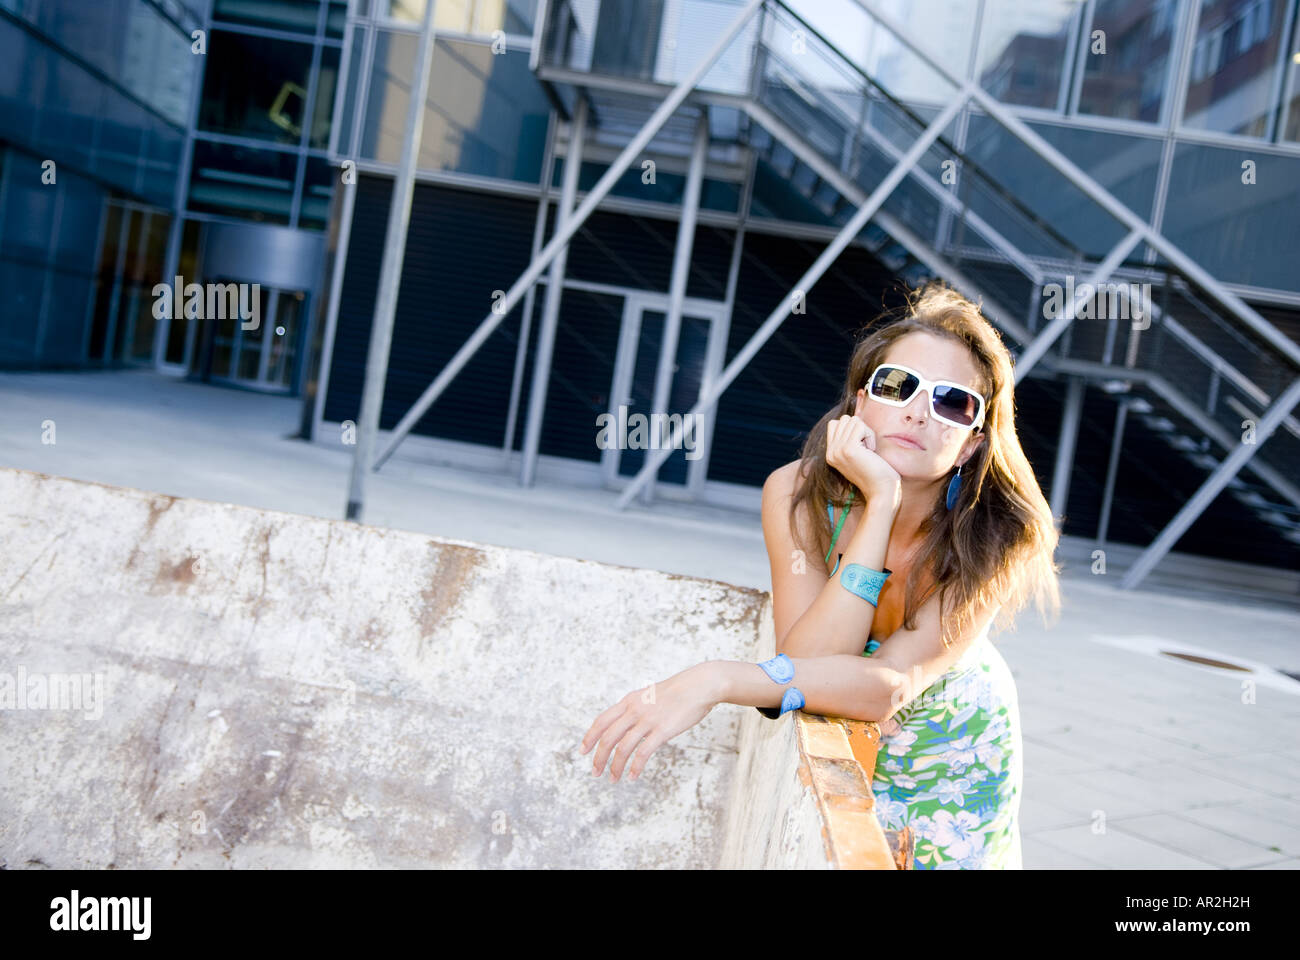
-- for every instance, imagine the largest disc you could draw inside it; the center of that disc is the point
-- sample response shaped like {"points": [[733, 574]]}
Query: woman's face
{"points": [[942, 446]]}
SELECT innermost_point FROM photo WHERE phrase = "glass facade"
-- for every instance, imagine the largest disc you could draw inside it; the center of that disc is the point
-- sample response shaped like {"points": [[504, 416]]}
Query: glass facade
{"points": [[485, 114], [1131, 80], [464, 16], [265, 114], [93, 109], [1234, 65], [1025, 50]]}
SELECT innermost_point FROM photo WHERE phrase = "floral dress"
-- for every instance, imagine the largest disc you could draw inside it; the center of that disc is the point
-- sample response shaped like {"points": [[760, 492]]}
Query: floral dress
{"points": [[953, 769]]}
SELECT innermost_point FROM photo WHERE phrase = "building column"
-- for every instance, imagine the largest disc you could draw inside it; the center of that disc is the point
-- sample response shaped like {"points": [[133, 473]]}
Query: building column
{"points": [[551, 306], [677, 286], [1112, 470], [390, 275], [1070, 417]]}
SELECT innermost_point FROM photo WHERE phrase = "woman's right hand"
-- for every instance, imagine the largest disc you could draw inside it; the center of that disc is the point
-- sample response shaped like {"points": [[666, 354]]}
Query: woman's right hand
{"points": [[851, 449]]}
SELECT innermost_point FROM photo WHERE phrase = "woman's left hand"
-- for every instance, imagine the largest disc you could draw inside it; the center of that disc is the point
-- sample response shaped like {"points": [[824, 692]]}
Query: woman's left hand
{"points": [[645, 719]]}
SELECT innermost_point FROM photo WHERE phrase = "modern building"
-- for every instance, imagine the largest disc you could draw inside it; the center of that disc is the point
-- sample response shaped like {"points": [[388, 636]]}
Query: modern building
{"points": [[1150, 146], [189, 139]]}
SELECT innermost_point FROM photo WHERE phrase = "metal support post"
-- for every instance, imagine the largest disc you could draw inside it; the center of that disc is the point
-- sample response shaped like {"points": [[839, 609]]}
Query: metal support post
{"points": [[677, 285], [1070, 417], [390, 273], [551, 305], [1112, 470]]}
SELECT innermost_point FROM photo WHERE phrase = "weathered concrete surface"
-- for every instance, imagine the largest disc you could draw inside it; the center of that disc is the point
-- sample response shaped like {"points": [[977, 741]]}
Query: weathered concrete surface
{"points": [[284, 691], [773, 821]]}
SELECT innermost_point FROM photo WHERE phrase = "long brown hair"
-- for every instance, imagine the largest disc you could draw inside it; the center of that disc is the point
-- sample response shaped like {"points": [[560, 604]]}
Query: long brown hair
{"points": [[996, 545]]}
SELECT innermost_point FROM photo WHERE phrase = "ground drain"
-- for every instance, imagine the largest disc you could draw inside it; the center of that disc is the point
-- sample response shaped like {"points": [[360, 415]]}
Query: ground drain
{"points": [[1222, 665]]}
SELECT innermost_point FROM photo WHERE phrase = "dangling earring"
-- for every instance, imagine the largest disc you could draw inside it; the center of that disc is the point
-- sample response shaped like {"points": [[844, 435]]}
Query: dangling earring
{"points": [[954, 488]]}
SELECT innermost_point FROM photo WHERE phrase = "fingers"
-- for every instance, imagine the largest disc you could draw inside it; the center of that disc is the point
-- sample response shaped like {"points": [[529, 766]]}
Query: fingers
{"points": [[626, 747], [609, 739], [638, 759], [842, 435], [598, 725]]}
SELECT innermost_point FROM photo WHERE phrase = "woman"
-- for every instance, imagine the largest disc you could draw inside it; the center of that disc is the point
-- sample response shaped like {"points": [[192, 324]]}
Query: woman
{"points": [[915, 478]]}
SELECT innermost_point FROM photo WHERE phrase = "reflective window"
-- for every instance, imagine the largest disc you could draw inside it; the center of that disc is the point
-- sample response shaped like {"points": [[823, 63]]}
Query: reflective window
{"points": [[336, 18], [1053, 207], [327, 79], [146, 53], [1234, 63], [1291, 99], [943, 28], [485, 114], [317, 191], [1232, 229], [242, 182], [388, 96], [347, 116], [1024, 48], [255, 87], [1127, 77], [467, 16], [295, 15]]}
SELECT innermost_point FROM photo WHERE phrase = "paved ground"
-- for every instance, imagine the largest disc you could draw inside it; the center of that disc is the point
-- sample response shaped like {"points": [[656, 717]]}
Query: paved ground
{"points": [[1133, 758]]}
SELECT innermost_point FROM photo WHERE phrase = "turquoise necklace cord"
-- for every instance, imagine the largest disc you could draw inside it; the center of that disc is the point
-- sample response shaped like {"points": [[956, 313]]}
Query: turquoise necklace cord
{"points": [[838, 527]]}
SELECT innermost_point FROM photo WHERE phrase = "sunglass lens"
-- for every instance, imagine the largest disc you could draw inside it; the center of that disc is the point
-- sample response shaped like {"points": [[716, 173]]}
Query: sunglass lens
{"points": [[894, 384], [960, 406]]}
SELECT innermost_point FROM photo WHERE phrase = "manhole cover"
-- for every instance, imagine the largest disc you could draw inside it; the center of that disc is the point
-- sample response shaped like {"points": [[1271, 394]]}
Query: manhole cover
{"points": [[1209, 662]]}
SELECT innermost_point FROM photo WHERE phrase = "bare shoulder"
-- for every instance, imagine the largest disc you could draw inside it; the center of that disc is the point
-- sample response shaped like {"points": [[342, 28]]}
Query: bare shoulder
{"points": [[781, 483], [778, 490]]}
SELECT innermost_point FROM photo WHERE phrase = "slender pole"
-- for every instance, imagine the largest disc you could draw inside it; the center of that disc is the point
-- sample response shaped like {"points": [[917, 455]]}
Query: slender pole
{"points": [[551, 305], [390, 273], [344, 241], [677, 285], [1065, 446], [526, 321], [1112, 471]]}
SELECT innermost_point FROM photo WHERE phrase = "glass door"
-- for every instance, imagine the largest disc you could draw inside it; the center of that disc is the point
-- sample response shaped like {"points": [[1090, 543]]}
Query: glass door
{"points": [[263, 356], [635, 428]]}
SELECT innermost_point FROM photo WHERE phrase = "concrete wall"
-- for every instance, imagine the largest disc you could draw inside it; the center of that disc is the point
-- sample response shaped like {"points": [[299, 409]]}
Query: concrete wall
{"points": [[317, 693], [264, 689]]}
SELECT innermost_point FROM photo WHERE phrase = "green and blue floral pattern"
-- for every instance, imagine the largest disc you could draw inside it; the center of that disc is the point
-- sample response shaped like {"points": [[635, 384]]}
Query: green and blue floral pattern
{"points": [[953, 770]]}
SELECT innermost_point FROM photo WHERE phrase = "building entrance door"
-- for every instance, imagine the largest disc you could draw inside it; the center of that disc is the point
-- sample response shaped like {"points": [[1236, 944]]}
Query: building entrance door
{"points": [[635, 427], [263, 357]]}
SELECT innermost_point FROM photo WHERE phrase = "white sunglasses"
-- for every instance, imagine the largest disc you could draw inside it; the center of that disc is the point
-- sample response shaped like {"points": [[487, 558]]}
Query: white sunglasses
{"points": [[950, 403]]}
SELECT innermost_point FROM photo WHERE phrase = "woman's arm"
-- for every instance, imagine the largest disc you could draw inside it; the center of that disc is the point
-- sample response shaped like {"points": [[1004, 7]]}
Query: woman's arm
{"points": [[814, 615], [843, 685], [856, 687]]}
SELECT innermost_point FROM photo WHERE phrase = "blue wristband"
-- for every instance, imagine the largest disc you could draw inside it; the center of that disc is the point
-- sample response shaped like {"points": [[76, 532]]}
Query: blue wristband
{"points": [[779, 668], [863, 581]]}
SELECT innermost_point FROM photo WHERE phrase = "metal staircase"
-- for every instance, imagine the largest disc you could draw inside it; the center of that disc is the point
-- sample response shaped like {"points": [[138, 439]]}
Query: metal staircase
{"points": [[1193, 376], [892, 169]]}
